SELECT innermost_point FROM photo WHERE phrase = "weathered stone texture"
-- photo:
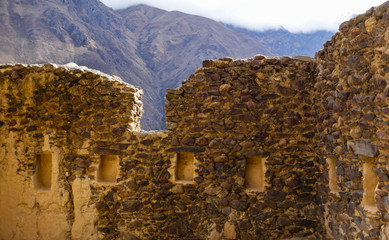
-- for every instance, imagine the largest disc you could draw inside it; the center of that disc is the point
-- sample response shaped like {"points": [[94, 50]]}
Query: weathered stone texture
{"points": [[66, 113], [252, 107], [264, 114], [352, 79], [109, 180]]}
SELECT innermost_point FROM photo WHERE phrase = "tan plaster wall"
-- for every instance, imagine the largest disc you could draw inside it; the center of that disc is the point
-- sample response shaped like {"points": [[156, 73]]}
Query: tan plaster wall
{"points": [[27, 212], [85, 214], [369, 182]]}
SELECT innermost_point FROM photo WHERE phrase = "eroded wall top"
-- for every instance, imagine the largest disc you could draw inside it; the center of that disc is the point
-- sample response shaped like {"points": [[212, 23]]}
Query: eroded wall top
{"points": [[73, 90]]}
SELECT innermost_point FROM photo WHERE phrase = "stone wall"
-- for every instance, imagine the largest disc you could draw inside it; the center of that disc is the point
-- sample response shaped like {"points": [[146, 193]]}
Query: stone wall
{"points": [[237, 160], [260, 108], [226, 135], [72, 146], [352, 127], [52, 122], [261, 148]]}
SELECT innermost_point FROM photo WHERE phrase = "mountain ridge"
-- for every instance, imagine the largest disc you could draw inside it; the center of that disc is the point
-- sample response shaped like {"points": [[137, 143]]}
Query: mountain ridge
{"points": [[284, 43], [145, 46]]}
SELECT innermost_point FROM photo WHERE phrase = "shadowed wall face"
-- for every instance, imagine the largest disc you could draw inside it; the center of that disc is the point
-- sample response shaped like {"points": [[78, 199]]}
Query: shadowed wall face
{"points": [[43, 176], [108, 168], [255, 173], [184, 167]]}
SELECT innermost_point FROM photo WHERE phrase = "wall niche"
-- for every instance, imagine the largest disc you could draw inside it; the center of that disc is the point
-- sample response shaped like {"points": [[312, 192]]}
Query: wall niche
{"points": [[184, 170], [255, 173], [332, 179], [43, 174], [369, 183], [108, 169]]}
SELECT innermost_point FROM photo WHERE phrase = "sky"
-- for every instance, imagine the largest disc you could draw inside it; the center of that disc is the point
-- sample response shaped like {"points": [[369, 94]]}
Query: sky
{"points": [[293, 15]]}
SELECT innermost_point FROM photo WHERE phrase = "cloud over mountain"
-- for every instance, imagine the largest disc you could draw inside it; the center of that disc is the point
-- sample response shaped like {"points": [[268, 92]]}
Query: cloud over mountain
{"points": [[295, 16]]}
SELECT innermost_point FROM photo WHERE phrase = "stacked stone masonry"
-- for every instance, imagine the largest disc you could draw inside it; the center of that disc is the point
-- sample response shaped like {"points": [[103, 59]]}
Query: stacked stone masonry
{"points": [[352, 126], [261, 148]]}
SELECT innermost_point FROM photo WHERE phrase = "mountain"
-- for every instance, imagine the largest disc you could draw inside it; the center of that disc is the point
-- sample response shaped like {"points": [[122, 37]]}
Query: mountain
{"points": [[61, 31], [285, 43], [173, 44], [145, 46]]}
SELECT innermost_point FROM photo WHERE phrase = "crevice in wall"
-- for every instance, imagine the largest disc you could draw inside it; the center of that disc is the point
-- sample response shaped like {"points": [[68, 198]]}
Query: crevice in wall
{"points": [[184, 166], [255, 173], [108, 168], [43, 174]]}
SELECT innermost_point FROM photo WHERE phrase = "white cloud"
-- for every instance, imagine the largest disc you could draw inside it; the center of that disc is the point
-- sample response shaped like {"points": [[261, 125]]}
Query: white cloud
{"points": [[294, 15]]}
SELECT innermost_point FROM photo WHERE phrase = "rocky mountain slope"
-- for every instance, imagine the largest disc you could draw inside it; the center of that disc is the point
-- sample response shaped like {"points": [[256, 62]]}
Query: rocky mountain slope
{"points": [[285, 43], [145, 46]]}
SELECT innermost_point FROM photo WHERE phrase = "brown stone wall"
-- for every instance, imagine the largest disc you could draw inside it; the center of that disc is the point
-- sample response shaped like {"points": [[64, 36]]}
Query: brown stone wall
{"points": [[233, 109], [223, 115], [353, 126], [59, 117], [108, 182], [261, 148]]}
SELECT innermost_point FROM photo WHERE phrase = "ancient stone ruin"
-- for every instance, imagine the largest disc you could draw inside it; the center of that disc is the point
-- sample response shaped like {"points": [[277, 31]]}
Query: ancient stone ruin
{"points": [[261, 148]]}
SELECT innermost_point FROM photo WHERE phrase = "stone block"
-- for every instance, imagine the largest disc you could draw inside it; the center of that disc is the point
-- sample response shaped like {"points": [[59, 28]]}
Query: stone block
{"points": [[239, 205], [274, 195], [365, 148], [284, 220], [370, 24], [177, 228], [186, 149], [177, 189], [385, 201], [132, 206], [229, 231]]}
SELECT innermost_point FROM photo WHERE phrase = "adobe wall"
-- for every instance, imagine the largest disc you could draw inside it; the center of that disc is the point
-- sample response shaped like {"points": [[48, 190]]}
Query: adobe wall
{"points": [[352, 127]]}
